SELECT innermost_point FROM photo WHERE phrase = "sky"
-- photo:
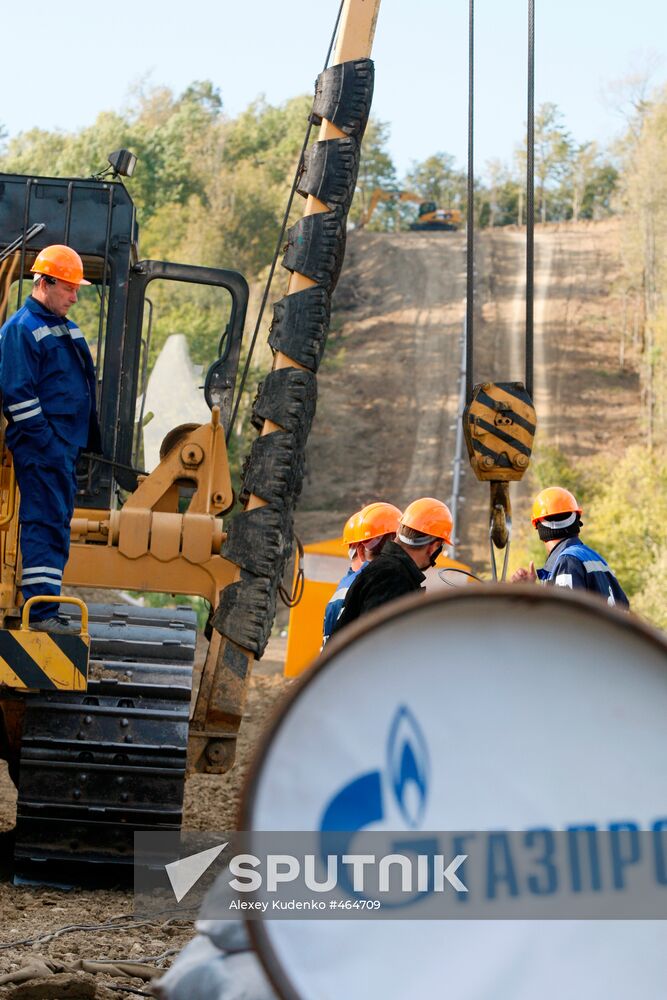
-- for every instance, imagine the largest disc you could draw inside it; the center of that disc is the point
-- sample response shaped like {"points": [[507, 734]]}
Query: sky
{"points": [[260, 47]]}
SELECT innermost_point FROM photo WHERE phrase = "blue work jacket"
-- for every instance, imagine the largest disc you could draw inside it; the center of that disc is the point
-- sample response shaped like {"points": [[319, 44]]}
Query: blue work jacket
{"points": [[48, 382], [575, 565], [335, 605]]}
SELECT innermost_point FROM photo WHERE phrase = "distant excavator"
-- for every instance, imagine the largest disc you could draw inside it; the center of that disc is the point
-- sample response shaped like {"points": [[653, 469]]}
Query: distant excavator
{"points": [[429, 216]]}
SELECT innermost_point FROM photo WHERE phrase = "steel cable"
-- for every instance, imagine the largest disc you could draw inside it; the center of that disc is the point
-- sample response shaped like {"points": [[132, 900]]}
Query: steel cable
{"points": [[530, 199], [470, 224]]}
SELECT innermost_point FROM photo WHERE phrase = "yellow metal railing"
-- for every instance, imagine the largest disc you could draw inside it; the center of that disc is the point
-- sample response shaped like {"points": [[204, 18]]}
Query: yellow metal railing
{"points": [[25, 617]]}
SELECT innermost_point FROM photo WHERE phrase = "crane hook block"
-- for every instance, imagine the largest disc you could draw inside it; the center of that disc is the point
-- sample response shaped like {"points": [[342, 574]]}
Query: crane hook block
{"points": [[499, 426], [343, 95]]}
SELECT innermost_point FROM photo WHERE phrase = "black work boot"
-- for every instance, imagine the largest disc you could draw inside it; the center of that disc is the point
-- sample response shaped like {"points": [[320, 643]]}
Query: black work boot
{"points": [[57, 625]]}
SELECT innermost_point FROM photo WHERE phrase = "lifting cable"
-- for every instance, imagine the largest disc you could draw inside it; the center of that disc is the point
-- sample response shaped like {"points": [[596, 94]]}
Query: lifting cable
{"points": [[499, 418], [279, 243], [530, 198], [470, 208]]}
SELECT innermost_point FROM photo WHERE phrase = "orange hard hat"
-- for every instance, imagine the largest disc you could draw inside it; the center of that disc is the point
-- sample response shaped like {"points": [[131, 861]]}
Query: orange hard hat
{"points": [[554, 500], [351, 529], [62, 262], [430, 517], [372, 521]]}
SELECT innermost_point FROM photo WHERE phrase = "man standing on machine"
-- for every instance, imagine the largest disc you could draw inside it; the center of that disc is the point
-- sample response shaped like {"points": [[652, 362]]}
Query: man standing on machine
{"points": [[47, 379]]}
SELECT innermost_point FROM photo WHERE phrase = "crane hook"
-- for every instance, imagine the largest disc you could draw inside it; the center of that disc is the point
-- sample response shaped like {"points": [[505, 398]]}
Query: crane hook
{"points": [[500, 525]]}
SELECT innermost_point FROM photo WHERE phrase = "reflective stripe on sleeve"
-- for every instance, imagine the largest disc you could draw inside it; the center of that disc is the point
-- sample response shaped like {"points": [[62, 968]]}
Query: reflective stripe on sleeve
{"points": [[16, 417], [15, 407]]}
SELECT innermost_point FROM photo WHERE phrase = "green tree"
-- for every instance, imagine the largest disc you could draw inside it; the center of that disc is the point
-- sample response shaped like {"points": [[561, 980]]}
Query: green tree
{"points": [[588, 183], [643, 194], [503, 194], [168, 134], [553, 151], [626, 517], [376, 171], [437, 179], [599, 193]]}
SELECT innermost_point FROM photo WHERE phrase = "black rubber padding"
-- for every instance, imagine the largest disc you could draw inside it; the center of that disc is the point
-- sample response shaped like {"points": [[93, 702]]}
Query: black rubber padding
{"points": [[287, 397], [343, 95], [330, 172], [300, 326], [259, 539], [246, 611], [274, 470], [316, 247]]}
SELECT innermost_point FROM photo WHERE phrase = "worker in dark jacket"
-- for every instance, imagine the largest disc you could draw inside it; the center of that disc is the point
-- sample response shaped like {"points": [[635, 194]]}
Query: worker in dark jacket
{"points": [[366, 533], [570, 563], [47, 379], [426, 525]]}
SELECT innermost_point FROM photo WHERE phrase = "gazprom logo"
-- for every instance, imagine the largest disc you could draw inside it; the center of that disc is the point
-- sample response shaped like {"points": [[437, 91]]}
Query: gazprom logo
{"points": [[402, 786], [392, 796], [408, 767]]}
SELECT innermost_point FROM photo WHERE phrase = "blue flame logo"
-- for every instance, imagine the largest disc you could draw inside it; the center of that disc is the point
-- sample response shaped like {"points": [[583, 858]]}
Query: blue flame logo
{"points": [[360, 802], [408, 766]]}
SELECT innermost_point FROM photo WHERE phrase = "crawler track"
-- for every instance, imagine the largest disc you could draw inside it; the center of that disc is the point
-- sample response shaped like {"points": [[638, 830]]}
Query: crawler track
{"points": [[98, 766]]}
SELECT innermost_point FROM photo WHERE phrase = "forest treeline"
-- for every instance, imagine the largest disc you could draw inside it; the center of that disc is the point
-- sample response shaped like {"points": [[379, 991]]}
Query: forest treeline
{"points": [[625, 499], [209, 186], [211, 189]]}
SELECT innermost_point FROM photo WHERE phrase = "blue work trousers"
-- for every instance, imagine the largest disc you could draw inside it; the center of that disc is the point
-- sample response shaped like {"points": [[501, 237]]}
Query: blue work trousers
{"points": [[47, 490]]}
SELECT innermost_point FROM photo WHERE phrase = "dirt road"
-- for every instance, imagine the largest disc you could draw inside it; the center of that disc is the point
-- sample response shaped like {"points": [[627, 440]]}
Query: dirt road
{"points": [[65, 926], [386, 418], [388, 393]]}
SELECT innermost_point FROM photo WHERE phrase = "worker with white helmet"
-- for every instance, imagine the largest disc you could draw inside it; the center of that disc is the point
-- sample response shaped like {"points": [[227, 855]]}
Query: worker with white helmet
{"points": [[365, 534], [425, 526], [570, 563], [48, 384]]}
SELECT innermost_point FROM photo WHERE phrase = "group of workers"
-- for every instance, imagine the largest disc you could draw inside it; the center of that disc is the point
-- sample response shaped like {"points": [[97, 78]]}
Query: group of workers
{"points": [[388, 551], [48, 381]]}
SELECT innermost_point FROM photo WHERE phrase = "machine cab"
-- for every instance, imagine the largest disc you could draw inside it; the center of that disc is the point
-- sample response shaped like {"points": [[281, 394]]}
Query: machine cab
{"points": [[126, 314]]}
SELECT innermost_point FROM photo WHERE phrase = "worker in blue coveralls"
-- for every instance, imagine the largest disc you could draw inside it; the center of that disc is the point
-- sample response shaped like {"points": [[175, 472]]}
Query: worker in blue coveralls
{"points": [[47, 379], [365, 534], [570, 563]]}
